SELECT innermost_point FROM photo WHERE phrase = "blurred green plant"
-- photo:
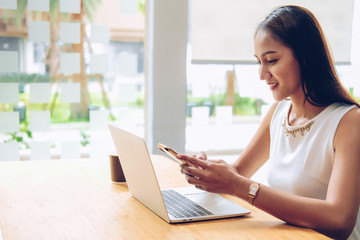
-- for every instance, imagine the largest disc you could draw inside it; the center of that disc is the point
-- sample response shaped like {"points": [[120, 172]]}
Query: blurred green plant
{"points": [[62, 112], [142, 6], [351, 91], [243, 105], [23, 136], [85, 138], [24, 78]]}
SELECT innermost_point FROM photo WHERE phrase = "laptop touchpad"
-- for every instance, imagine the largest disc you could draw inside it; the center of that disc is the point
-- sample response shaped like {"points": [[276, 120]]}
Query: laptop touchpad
{"points": [[212, 202]]}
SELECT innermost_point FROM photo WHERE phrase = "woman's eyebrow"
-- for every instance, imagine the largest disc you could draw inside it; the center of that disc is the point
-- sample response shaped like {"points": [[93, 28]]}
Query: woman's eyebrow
{"points": [[266, 53]]}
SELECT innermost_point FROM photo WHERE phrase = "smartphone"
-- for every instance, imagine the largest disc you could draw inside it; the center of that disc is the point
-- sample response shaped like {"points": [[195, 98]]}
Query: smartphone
{"points": [[171, 152]]}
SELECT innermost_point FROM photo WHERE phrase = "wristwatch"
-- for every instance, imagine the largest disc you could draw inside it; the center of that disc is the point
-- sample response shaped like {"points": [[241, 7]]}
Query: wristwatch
{"points": [[253, 190]]}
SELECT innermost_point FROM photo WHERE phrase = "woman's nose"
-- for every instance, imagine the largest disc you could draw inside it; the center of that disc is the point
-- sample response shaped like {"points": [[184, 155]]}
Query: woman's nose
{"points": [[264, 73]]}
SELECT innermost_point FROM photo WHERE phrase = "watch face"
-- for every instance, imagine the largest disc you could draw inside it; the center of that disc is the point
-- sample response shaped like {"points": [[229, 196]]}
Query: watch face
{"points": [[253, 190]]}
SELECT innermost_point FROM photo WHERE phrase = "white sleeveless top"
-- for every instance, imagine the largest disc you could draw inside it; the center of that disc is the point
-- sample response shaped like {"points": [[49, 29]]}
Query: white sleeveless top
{"points": [[302, 165]]}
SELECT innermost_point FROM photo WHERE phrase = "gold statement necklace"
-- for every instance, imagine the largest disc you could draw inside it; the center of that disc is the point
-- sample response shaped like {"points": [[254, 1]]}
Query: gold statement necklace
{"points": [[300, 130]]}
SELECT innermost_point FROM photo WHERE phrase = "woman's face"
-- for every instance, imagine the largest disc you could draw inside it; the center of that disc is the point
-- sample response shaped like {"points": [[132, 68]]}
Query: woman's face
{"points": [[278, 67]]}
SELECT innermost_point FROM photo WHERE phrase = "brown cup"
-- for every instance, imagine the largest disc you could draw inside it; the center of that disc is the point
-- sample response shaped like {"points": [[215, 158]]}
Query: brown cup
{"points": [[117, 174]]}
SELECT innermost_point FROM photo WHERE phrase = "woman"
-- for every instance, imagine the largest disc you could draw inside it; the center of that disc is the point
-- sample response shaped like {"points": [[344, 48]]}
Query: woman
{"points": [[311, 135]]}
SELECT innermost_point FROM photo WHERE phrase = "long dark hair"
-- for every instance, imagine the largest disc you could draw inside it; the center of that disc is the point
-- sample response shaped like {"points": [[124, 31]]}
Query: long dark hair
{"points": [[297, 28]]}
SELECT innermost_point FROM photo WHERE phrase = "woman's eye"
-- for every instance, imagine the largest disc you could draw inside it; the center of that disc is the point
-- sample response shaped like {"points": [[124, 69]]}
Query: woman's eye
{"points": [[272, 61]]}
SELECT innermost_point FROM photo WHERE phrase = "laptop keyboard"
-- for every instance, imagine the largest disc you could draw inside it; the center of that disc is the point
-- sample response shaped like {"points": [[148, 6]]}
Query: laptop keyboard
{"points": [[181, 207]]}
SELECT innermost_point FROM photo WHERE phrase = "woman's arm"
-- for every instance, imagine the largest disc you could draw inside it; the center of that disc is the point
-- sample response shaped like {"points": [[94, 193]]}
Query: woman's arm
{"points": [[257, 151], [335, 216]]}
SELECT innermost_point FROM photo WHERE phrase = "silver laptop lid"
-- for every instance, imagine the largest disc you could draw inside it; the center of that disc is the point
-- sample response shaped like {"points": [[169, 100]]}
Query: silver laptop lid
{"points": [[138, 170]]}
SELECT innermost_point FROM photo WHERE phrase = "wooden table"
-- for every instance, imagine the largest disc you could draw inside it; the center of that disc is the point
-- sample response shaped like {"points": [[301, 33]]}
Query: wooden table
{"points": [[75, 199]]}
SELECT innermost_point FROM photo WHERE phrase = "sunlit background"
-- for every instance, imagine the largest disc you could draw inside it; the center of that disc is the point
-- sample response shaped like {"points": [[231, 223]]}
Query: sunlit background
{"points": [[69, 67]]}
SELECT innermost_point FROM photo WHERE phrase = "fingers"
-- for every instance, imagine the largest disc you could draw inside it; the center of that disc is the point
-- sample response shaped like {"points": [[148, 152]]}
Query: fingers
{"points": [[183, 170], [193, 179], [193, 160], [200, 187], [193, 169], [192, 173], [201, 155], [193, 176]]}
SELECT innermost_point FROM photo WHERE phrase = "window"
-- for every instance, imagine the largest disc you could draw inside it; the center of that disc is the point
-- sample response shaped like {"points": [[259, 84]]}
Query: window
{"points": [[67, 68], [221, 73]]}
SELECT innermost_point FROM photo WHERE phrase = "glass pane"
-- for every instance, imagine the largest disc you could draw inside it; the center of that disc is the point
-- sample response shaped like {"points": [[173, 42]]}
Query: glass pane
{"points": [[64, 68], [215, 82]]}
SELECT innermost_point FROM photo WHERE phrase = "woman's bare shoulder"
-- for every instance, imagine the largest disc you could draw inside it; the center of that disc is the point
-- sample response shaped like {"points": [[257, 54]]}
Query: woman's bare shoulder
{"points": [[352, 117], [349, 127]]}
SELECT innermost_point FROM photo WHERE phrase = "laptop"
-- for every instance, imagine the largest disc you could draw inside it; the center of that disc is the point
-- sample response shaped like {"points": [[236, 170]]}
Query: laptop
{"points": [[173, 205]]}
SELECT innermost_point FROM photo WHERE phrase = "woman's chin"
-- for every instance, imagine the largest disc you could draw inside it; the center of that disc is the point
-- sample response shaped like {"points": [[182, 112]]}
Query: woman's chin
{"points": [[279, 98]]}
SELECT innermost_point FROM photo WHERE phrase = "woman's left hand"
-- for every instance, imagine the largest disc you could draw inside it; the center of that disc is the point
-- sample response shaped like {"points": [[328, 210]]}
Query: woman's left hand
{"points": [[210, 175]]}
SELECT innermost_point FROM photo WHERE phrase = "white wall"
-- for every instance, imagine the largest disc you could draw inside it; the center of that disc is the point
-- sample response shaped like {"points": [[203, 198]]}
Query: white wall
{"points": [[165, 67]]}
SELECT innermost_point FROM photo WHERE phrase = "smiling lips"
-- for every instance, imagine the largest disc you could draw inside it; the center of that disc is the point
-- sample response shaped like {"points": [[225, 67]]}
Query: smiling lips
{"points": [[273, 85]]}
